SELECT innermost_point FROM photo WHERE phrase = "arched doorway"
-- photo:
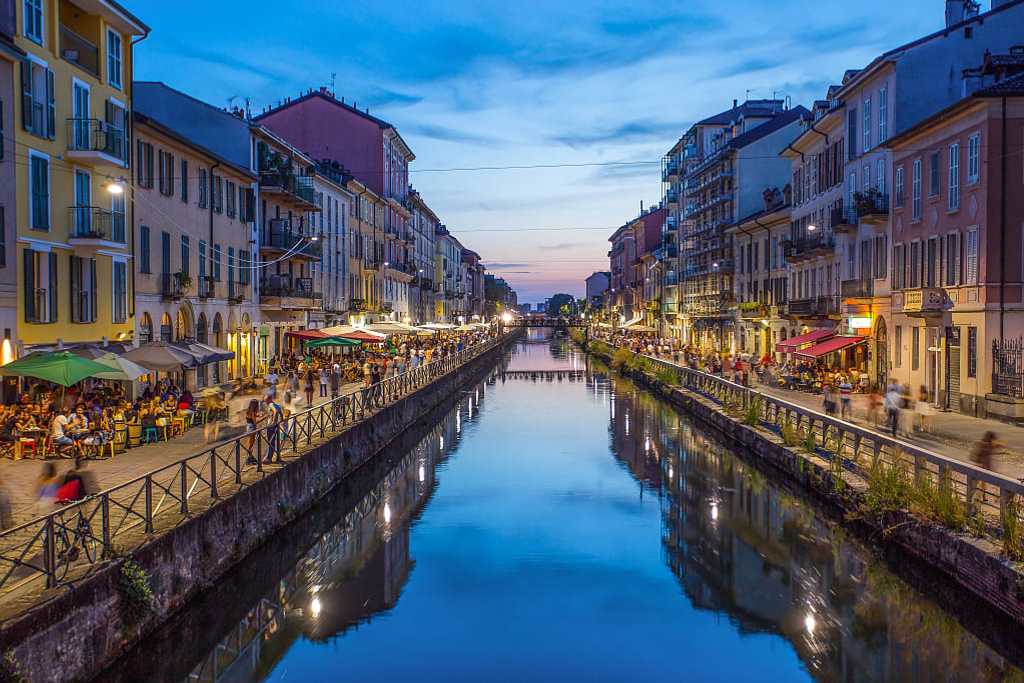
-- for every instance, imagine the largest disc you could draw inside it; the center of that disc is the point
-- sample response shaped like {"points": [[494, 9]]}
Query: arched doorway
{"points": [[881, 353], [234, 342], [183, 325], [166, 328], [218, 341], [246, 344], [202, 337], [145, 329]]}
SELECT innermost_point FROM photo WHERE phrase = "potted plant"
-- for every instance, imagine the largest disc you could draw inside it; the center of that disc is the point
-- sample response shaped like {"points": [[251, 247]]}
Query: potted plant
{"points": [[183, 279]]}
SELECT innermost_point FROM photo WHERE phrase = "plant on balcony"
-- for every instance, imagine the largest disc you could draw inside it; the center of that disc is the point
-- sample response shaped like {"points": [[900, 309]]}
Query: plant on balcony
{"points": [[183, 279], [868, 201], [750, 306]]}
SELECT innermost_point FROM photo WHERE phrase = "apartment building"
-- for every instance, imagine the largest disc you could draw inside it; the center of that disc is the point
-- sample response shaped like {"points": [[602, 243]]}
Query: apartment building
{"points": [[596, 286], [958, 249], [734, 159], [71, 127], [330, 274], [424, 288], [621, 256], [288, 243], [195, 214], [447, 271], [473, 289], [11, 57], [673, 169]]}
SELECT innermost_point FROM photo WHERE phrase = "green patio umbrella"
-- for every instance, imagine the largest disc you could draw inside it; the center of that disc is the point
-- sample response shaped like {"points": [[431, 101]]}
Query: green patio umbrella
{"points": [[331, 341], [61, 367]]}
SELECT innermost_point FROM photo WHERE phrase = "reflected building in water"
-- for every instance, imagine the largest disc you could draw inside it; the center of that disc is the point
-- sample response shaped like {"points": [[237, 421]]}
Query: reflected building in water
{"points": [[743, 547]]}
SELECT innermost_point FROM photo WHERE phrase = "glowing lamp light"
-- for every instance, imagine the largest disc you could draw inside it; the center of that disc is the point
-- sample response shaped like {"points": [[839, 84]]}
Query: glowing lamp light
{"points": [[114, 187], [812, 227], [860, 323], [506, 318]]}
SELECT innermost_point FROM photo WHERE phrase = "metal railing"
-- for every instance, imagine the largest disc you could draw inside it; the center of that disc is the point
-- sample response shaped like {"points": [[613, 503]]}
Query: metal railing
{"points": [[93, 135], [1008, 367], [78, 50], [856, 449], [63, 546], [93, 222]]}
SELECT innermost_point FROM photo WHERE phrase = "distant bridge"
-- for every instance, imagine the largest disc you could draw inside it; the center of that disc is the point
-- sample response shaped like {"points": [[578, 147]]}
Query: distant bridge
{"points": [[548, 322], [545, 375]]}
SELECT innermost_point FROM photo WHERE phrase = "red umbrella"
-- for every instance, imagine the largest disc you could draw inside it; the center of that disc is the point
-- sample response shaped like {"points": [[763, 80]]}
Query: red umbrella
{"points": [[365, 337]]}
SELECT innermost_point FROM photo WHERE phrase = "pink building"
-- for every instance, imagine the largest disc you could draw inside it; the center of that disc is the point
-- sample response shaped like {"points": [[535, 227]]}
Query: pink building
{"points": [[958, 218], [10, 58]]}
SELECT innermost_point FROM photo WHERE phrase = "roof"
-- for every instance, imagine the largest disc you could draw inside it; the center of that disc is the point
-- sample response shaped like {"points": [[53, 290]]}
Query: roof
{"points": [[1008, 87], [747, 108], [170, 132], [781, 120], [852, 77]]}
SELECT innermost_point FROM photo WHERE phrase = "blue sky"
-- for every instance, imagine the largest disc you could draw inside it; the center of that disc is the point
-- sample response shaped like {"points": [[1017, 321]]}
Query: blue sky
{"points": [[482, 84]]}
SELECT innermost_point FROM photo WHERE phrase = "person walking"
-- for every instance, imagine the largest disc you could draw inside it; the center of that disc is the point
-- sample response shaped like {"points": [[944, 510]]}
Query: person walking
{"points": [[324, 380], [845, 398], [874, 404], [274, 416], [893, 401], [985, 449], [309, 388], [253, 417], [923, 408], [335, 381], [828, 399]]}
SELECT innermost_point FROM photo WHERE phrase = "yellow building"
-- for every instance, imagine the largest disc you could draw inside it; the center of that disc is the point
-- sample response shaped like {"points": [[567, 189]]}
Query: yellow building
{"points": [[72, 140]]}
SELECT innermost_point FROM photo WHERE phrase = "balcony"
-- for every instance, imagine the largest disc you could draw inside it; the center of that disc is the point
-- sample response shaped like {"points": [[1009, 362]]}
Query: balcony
{"points": [[172, 285], [79, 51], [96, 143], [670, 170], [805, 248], [872, 207], [752, 310], [279, 237], [289, 188], [207, 287], [357, 305], [670, 226], [93, 227], [843, 221], [817, 307], [857, 289], [672, 197], [236, 291], [925, 302], [281, 291]]}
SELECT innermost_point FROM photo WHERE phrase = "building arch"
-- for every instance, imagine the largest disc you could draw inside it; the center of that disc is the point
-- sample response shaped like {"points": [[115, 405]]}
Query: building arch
{"points": [[881, 352], [202, 335], [166, 328], [145, 328]]}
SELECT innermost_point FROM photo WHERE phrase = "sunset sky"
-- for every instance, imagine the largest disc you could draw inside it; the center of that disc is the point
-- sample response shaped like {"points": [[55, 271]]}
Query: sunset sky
{"points": [[495, 84]]}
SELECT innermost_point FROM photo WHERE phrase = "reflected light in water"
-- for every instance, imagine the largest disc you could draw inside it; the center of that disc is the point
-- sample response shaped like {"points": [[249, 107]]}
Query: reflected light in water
{"points": [[387, 513], [440, 442], [315, 607], [714, 511], [423, 473], [647, 444], [810, 623]]}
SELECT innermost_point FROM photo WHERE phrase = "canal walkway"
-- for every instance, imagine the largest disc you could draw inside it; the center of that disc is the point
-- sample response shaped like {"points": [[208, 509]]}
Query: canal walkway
{"points": [[950, 434]]}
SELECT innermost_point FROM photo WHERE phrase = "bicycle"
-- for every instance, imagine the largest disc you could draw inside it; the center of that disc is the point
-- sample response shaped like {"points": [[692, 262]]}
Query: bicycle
{"points": [[71, 541]]}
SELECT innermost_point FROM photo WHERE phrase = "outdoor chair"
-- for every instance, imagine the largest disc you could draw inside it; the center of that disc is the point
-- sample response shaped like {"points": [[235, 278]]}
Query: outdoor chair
{"points": [[150, 435]]}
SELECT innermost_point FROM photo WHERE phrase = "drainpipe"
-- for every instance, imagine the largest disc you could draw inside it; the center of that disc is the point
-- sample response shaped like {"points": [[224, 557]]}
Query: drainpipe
{"points": [[129, 124], [1002, 220]]}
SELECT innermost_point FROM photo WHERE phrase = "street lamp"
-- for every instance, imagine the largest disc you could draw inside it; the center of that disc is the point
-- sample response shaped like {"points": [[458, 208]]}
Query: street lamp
{"points": [[812, 227]]}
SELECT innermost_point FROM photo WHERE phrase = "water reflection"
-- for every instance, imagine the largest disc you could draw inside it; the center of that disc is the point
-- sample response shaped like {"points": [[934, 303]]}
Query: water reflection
{"points": [[562, 527], [742, 546]]}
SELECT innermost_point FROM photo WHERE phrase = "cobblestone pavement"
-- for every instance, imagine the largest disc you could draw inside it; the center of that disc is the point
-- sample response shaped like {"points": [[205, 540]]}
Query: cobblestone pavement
{"points": [[17, 478]]}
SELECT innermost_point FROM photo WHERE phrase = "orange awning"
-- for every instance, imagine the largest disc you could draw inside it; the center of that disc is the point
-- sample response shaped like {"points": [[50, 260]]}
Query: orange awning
{"points": [[794, 343]]}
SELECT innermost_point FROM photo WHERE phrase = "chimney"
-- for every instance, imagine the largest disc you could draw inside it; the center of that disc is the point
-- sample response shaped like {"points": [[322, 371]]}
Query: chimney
{"points": [[735, 103], [958, 10]]}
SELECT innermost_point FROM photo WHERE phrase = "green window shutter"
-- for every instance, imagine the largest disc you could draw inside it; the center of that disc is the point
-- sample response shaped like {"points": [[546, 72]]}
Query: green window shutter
{"points": [[51, 107], [53, 288], [92, 290], [26, 95], [29, 283], [74, 276]]}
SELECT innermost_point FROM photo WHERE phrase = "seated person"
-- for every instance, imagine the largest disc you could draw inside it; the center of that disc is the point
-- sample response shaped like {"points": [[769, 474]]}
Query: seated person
{"points": [[58, 426]]}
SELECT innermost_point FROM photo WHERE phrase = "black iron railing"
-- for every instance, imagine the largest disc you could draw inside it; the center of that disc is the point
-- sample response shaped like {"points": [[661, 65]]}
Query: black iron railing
{"points": [[1008, 367]]}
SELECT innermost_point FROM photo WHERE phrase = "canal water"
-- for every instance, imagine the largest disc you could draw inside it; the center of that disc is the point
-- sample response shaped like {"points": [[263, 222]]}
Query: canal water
{"points": [[567, 527]]}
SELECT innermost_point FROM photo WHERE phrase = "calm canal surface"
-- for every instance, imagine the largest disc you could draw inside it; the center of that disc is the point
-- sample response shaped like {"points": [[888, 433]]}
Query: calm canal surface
{"points": [[564, 530]]}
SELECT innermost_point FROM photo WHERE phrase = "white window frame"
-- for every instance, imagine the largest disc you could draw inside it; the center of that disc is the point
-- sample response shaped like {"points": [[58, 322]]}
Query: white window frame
{"points": [[971, 259], [974, 158], [898, 198], [915, 191], [119, 57], [39, 39], [883, 114], [49, 186], [866, 125], [954, 176], [880, 175]]}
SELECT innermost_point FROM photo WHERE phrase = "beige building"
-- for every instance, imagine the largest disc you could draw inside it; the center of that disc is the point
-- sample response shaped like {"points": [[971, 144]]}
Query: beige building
{"points": [[194, 213]]}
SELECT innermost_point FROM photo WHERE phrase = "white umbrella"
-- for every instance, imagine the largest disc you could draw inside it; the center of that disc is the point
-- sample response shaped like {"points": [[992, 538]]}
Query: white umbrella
{"points": [[439, 326], [120, 368]]}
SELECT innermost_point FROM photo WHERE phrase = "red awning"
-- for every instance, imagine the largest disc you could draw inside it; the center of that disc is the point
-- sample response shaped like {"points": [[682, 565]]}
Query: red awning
{"points": [[829, 346], [794, 343], [306, 335], [366, 337]]}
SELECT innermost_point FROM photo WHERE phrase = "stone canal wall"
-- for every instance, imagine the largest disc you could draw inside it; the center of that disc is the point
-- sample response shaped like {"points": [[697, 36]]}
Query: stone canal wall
{"points": [[76, 635], [974, 564]]}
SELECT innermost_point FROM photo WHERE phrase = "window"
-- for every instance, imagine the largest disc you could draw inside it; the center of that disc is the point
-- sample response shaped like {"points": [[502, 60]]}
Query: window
{"points": [[166, 173], [144, 257], [202, 259], [231, 267], [914, 273], [972, 351], [165, 252], [954, 176], [881, 257], [218, 194], [184, 181], [232, 197], [144, 164], [40, 292], [38, 107], [931, 266], [216, 262], [898, 266], [915, 348], [916, 191], [114, 58], [83, 289], [851, 133], [898, 358], [971, 257], [3, 237], [204, 188], [33, 20], [883, 115], [867, 124], [117, 124], [952, 259], [184, 254], [973, 158], [933, 174], [898, 189], [880, 176], [120, 292], [39, 192]]}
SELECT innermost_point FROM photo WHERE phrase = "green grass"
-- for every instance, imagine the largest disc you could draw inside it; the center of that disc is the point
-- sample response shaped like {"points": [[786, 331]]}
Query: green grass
{"points": [[1013, 530], [889, 488]]}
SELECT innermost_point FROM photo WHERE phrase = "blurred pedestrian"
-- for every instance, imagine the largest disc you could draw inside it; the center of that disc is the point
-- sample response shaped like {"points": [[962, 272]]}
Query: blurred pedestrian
{"points": [[985, 449]]}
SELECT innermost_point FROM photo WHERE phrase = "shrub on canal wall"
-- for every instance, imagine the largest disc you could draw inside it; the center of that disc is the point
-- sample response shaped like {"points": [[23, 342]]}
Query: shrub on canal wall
{"points": [[622, 359]]}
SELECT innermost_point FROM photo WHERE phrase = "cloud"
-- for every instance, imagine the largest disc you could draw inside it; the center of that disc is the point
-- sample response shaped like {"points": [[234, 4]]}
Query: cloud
{"points": [[382, 97], [446, 134], [563, 245], [498, 265], [638, 130], [750, 66]]}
